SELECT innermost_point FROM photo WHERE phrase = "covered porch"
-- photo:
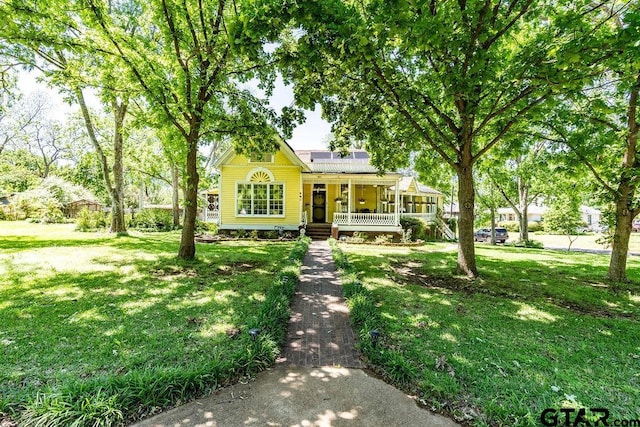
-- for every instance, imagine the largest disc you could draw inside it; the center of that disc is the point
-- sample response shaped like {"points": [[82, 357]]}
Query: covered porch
{"points": [[356, 203]]}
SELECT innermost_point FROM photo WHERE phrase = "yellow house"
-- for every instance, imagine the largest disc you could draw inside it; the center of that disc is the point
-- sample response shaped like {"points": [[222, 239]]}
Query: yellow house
{"points": [[288, 189]]}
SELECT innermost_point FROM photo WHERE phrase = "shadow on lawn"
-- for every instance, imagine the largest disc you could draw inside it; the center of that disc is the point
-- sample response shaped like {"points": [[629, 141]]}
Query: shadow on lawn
{"points": [[576, 283], [142, 314], [501, 349]]}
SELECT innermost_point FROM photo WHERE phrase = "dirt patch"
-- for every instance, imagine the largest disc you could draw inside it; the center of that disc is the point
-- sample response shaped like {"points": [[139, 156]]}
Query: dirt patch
{"points": [[412, 273], [235, 267], [174, 273]]}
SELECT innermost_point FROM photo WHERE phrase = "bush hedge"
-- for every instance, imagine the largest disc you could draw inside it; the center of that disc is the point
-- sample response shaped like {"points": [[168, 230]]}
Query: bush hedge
{"points": [[153, 220]]}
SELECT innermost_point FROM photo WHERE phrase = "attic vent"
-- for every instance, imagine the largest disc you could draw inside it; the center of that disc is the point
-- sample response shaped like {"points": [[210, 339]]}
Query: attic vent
{"points": [[260, 176]]}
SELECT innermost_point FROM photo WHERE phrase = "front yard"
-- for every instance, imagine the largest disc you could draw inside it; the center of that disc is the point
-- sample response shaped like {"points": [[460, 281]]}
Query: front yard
{"points": [[541, 329], [97, 327]]}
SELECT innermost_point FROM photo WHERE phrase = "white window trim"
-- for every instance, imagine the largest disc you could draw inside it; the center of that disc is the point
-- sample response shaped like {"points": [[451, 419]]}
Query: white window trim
{"points": [[284, 198]]}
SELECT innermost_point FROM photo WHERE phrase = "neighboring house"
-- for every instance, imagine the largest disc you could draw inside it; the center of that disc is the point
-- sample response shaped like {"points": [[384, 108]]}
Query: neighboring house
{"points": [[289, 189], [535, 213]]}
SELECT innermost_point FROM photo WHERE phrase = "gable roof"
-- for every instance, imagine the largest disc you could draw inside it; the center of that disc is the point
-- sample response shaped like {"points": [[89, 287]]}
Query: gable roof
{"points": [[284, 147], [405, 184]]}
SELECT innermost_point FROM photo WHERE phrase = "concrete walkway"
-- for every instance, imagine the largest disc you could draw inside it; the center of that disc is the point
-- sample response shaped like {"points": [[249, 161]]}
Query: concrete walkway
{"points": [[318, 380]]}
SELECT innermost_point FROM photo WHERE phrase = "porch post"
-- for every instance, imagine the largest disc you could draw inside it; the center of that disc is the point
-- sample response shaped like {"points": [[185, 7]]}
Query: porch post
{"points": [[349, 203], [397, 203]]}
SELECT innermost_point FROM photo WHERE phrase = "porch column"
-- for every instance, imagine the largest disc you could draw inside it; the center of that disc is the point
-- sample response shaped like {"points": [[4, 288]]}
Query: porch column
{"points": [[397, 203], [349, 203]]}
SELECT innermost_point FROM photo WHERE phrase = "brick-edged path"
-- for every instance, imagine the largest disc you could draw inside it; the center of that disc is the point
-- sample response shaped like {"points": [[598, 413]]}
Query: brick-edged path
{"points": [[319, 332]]}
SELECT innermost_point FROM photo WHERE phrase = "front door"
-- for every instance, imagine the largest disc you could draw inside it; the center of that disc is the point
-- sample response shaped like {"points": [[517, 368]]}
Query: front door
{"points": [[319, 205]]}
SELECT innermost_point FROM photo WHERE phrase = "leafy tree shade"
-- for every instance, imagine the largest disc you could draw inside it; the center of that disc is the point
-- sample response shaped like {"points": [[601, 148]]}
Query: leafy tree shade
{"points": [[187, 57], [49, 35], [599, 128], [519, 171], [451, 79]]}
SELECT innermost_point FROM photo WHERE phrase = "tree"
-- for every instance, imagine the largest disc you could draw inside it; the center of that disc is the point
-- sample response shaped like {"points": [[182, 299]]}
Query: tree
{"points": [[187, 58], [519, 171], [421, 77], [44, 137], [488, 196], [49, 36], [563, 216], [599, 127]]}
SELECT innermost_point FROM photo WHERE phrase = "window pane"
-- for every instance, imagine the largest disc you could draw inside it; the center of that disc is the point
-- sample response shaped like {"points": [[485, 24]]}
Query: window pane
{"points": [[244, 199], [276, 201], [260, 199]]}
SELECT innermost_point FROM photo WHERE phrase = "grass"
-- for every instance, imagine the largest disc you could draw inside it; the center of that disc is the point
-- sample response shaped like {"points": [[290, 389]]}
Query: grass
{"points": [[540, 329], [583, 241], [103, 329]]}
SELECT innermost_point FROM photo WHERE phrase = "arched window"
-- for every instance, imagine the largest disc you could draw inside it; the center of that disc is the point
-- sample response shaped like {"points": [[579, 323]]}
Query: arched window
{"points": [[259, 195]]}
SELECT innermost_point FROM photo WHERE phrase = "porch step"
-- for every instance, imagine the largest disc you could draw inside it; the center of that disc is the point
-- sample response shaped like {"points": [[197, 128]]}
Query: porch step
{"points": [[318, 231]]}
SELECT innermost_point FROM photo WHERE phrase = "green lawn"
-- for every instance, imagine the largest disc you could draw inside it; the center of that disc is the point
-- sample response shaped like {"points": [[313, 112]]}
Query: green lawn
{"points": [[541, 329], [122, 322], [584, 241]]}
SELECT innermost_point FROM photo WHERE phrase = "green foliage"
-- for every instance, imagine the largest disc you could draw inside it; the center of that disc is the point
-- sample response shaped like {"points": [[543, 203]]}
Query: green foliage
{"points": [[153, 219], [440, 343], [90, 220], [563, 217], [416, 225], [357, 237], [528, 244], [170, 349], [513, 226], [536, 226]]}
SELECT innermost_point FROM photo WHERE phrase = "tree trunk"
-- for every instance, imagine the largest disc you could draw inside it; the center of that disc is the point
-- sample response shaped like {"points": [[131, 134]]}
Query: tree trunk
{"points": [[523, 217], [626, 192], [187, 244], [618, 262], [118, 224], [466, 200], [117, 207], [175, 195], [493, 225]]}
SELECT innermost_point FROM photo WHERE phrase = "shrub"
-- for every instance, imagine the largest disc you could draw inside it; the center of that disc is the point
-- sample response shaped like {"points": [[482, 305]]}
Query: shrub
{"points": [[357, 237], [90, 221], [206, 227], [535, 226], [51, 213], [416, 225], [512, 226], [153, 220], [383, 239], [271, 234]]}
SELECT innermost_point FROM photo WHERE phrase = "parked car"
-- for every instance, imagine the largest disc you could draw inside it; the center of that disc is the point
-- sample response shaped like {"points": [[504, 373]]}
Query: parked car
{"points": [[484, 235]]}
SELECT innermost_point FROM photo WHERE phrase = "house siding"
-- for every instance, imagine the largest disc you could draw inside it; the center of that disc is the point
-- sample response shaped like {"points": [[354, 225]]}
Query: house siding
{"points": [[285, 172]]}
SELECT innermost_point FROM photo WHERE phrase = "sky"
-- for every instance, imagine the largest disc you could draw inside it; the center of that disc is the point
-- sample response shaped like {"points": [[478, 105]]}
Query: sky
{"points": [[308, 136]]}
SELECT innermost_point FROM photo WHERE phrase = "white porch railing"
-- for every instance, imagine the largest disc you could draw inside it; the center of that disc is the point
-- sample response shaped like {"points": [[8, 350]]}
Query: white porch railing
{"points": [[342, 218], [429, 218]]}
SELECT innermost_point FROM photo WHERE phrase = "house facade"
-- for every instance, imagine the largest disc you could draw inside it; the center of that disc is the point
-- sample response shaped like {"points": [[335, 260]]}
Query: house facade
{"points": [[289, 189], [535, 213]]}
